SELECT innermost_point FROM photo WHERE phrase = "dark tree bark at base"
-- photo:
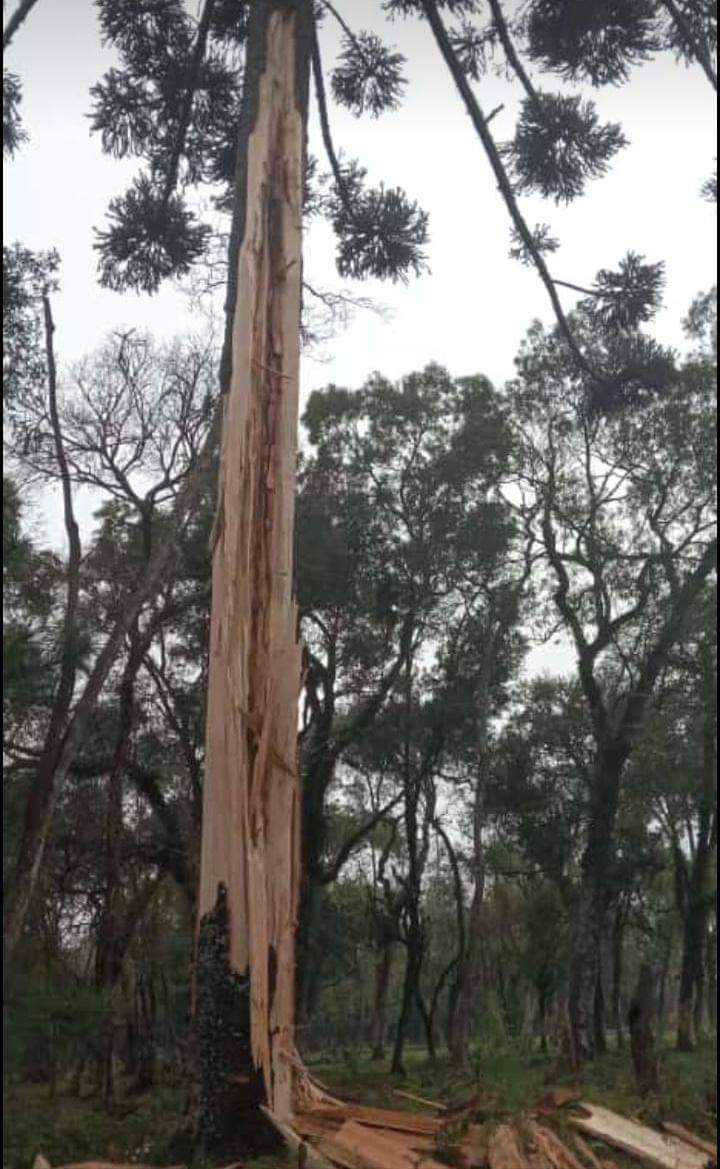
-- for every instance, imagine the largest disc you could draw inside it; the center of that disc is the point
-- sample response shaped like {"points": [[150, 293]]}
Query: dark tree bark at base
{"points": [[222, 1115], [642, 1040]]}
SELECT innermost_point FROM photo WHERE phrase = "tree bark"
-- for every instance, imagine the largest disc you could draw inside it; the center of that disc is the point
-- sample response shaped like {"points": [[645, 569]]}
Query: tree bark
{"points": [[697, 895], [378, 1020], [599, 1010], [642, 1040], [618, 932], [593, 901], [17, 18], [250, 856]]}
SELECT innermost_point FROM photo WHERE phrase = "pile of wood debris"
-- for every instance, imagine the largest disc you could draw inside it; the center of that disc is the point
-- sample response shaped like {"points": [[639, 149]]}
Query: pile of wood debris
{"points": [[555, 1134]]}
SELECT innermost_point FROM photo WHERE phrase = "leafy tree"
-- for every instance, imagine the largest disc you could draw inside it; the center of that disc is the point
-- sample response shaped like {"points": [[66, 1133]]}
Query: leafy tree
{"points": [[625, 526]]}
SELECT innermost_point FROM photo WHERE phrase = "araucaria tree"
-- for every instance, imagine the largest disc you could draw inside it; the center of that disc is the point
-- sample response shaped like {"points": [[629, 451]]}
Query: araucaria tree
{"points": [[612, 449]]}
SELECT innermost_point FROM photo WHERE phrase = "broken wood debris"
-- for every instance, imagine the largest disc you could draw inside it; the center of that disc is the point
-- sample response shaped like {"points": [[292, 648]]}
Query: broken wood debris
{"points": [[328, 1134], [690, 1138], [657, 1149]]}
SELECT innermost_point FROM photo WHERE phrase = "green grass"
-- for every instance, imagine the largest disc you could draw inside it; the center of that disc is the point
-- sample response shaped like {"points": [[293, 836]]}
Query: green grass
{"points": [[69, 1129], [508, 1080]]}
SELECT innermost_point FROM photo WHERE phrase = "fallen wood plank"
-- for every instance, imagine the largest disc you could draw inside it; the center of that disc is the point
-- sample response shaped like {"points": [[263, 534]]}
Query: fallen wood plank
{"points": [[653, 1148], [505, 1150], [420, 1100], [690, 1138], [415, 1122]]}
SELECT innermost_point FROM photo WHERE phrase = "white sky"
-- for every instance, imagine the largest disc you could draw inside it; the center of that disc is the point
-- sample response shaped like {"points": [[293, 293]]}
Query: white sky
{"points": [[472, 310]]}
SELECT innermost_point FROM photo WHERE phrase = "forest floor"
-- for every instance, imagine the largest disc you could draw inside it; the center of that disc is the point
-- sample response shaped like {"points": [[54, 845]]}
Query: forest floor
{"points": [[510, 1080]]}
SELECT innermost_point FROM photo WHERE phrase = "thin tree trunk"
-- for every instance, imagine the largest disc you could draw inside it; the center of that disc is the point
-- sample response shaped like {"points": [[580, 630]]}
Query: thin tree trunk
{"points": [[37, 811], [250, 858], [618, 932], [662, 993], [599, 1011], [471, 962], [711, 966]]}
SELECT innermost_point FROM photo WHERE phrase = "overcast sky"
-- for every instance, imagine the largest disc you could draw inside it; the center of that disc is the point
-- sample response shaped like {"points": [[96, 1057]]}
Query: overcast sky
{"points": [[472, 309]]}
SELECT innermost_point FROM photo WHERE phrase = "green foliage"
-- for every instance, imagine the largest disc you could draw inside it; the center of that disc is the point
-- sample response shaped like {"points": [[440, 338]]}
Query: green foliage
{"points": [[13, 132], [26, 275], [559, 144], [597, 42]]}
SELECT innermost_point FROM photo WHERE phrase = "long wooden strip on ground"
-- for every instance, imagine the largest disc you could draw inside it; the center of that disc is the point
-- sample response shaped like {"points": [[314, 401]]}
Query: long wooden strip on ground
{"points": [[690, 1138], [653, 1148], [504, 1149]]}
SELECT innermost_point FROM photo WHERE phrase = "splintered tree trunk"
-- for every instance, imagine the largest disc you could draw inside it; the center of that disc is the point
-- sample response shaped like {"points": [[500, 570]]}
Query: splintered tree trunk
{"points": [[249, 871]]}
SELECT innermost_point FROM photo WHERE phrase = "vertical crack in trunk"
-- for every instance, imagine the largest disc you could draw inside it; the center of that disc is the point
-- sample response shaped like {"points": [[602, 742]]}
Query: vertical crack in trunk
{"points": [[250, 842]]}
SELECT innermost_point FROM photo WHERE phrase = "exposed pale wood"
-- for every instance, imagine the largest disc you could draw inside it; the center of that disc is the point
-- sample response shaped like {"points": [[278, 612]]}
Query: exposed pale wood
{"points": [[653, 1148], [40, 1162], [678, 1130], [375, 1149], [420, 1100], [410, 1122], [308, 1155], [250, 840], [473, 1149], [105, 1165], [505, 1150], [552, 1148]]}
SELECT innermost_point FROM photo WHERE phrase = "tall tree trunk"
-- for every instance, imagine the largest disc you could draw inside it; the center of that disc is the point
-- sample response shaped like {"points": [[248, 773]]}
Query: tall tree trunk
{"points": [[662, 1001], [36, 825], [697, 908], [250, 857], [470, 967], [593, 900], [599, 1010], [378, 1019], [410, 994], [642, 1040], [711, 966], [618, 932]]}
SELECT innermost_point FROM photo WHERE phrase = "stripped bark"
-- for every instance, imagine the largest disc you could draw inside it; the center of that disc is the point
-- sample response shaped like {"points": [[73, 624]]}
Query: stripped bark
{"points": [[251, 814]]}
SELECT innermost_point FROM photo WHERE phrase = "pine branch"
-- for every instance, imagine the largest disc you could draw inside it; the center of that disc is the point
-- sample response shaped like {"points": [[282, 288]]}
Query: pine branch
{"points": [[698, 51], [325, 130], [480, 124], [186, 107], [16, 20]]}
